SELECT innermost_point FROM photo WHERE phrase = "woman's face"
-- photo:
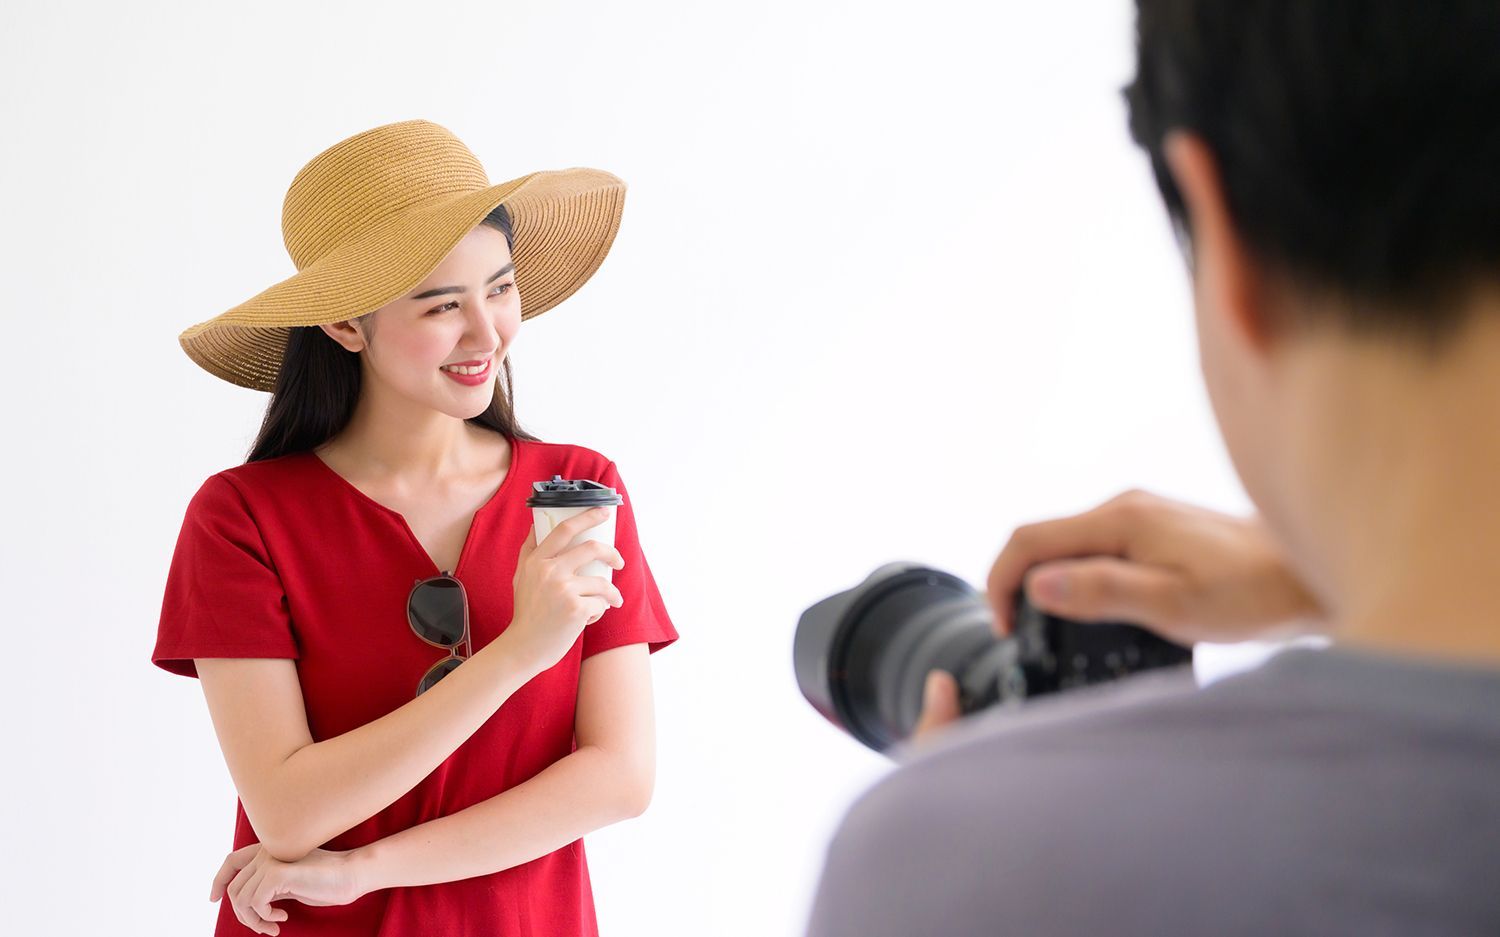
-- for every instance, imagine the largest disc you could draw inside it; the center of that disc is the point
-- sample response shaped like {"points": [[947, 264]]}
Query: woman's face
{"points": [[467, 310]]}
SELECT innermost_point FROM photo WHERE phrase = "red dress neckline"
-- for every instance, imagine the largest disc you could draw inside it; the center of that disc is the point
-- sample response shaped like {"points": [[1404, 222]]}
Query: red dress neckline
{"points": [[505, 484]]}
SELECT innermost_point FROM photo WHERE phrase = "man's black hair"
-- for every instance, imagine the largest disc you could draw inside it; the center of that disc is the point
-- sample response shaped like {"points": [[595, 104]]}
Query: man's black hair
{"points": [[1358, 141]]}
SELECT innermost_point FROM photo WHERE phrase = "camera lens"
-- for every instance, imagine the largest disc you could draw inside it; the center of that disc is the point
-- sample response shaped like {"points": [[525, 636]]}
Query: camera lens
{"points": [[862, 656]]}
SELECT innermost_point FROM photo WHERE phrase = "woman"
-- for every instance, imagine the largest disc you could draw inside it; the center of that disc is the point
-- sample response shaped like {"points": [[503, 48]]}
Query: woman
{"points": [[379, 523]]}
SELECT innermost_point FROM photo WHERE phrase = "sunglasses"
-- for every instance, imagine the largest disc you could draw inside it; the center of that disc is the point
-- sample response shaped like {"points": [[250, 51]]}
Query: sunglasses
{"points": [[438, 611]]}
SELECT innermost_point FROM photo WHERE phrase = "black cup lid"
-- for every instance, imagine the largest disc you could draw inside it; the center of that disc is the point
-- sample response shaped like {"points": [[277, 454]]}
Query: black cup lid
{"points": [[571, 493]]}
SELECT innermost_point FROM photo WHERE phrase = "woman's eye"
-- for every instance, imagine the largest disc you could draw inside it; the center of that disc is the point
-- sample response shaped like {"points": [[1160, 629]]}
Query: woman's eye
{"points": [[500, 290]]}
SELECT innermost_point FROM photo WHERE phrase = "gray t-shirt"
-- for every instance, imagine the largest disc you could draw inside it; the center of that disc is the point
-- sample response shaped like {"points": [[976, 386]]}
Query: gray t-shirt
{"points": [[1329, 791]]}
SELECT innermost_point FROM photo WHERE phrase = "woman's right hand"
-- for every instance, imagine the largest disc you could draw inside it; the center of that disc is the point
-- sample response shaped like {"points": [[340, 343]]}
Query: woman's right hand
{"points": [[553, 604], [1185, 572]]}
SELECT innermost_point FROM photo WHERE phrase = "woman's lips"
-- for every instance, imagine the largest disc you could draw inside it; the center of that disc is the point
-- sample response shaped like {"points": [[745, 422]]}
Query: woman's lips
{"points": [[472, 379]]}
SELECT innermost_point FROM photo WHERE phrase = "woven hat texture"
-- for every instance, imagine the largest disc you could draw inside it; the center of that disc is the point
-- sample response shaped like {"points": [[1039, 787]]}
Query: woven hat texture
{"points": [[370, 217]]}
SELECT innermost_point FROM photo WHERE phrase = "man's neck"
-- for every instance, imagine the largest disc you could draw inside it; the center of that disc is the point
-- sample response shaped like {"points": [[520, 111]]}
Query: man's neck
{"points": [[1406, 502]]}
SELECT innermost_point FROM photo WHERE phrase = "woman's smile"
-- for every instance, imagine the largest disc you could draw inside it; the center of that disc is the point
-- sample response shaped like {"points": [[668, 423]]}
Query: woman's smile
{"points": [[474, 377]]}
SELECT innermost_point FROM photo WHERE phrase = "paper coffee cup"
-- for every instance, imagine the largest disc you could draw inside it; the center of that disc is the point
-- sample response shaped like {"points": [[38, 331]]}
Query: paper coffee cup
{"points": [[553, 502]]}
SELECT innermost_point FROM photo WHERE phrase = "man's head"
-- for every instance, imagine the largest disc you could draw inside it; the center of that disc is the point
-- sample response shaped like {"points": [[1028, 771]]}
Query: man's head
{"points": [[1331, 167]]}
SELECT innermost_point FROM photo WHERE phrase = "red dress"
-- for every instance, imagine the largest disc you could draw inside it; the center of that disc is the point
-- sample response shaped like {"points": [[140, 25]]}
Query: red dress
{"points": [[285, 558]]}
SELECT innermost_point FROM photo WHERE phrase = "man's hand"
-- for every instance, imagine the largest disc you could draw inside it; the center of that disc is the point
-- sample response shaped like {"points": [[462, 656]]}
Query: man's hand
{"points": [[939, 705], [1187, 573]]}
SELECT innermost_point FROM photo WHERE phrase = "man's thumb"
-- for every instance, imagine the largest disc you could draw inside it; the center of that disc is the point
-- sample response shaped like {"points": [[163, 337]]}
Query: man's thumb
{"points": [[1103, 588], [940, 697]]}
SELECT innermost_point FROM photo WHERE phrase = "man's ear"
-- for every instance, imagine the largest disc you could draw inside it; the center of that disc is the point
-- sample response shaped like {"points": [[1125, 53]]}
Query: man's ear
{"points": [[346, 333], [1228, 273]]}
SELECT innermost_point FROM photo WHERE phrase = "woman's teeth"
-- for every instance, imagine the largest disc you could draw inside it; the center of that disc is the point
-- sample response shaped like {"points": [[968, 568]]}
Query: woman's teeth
{"points": [[475, 369]]}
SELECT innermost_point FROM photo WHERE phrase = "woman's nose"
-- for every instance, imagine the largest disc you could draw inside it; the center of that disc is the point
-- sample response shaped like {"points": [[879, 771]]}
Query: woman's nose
{"points": [[481, 329]]}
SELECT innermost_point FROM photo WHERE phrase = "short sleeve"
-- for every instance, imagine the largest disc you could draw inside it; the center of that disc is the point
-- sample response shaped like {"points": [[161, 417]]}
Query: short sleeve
{"points": [[223, 597], [643, 616]]}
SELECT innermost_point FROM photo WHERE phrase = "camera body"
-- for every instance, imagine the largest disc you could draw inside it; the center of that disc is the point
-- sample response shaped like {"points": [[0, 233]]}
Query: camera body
{"points": [[862, 656]]}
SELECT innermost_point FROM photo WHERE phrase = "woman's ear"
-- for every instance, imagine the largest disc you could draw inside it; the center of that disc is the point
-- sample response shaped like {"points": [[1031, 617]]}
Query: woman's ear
{"points": [[346, 333], [1228, 277]]}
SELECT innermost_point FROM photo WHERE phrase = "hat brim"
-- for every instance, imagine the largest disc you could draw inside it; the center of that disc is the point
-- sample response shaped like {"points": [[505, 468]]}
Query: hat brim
{"points": [[563, 223]]}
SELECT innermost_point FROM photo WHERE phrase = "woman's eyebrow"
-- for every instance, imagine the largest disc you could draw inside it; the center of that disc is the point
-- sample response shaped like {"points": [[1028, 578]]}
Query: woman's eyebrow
{"points": [[458, 289]]}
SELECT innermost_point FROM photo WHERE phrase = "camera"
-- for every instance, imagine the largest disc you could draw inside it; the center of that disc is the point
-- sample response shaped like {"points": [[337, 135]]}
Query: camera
{"points": [[862, 656]]}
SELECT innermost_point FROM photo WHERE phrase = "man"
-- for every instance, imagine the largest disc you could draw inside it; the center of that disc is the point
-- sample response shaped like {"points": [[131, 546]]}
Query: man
{"points": [[1330, 166]]}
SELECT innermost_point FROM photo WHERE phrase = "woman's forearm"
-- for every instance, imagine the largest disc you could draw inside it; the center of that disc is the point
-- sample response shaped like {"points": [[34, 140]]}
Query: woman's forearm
{"points": [[577, 794], [327, 787]]}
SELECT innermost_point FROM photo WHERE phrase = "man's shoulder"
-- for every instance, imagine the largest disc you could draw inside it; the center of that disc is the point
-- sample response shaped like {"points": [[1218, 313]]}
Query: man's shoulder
{"points": [[1151, 716], [1142, 699], [1138, 795], [1081, 797], [1135, 756]]}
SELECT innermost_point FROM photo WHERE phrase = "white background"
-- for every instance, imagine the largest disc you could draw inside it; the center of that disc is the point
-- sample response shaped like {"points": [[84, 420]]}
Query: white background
{"points": [[890, 281]]}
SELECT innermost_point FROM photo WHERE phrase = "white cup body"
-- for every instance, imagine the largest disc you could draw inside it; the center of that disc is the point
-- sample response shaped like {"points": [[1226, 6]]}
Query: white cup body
{"points": [[544, 519]]}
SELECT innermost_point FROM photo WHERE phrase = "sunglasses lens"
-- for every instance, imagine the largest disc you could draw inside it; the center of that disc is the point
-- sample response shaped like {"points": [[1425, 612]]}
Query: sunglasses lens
{"points": [[436, 611], [440, 670]]}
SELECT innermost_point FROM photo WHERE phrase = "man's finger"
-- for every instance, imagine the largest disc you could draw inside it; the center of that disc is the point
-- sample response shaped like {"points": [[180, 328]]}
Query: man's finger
{"points": [[1094, 532], [1104, 588], [940, 704]]}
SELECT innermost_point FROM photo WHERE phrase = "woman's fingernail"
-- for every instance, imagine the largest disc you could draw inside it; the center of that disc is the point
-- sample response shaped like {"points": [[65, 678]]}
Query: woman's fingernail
{"points": [[1051, 586]]}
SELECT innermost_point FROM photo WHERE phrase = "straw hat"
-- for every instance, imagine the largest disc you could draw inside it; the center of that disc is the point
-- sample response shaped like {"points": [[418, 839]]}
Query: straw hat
{"points": [[371, 216]]}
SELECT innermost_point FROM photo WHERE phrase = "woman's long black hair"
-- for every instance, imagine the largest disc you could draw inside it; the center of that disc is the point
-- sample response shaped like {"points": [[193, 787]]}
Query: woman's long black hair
{"points": [[319, 384]]}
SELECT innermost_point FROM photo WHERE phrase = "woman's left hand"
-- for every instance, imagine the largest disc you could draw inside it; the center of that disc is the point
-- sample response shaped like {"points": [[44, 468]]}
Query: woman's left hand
{"points": [[252, 878]]}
